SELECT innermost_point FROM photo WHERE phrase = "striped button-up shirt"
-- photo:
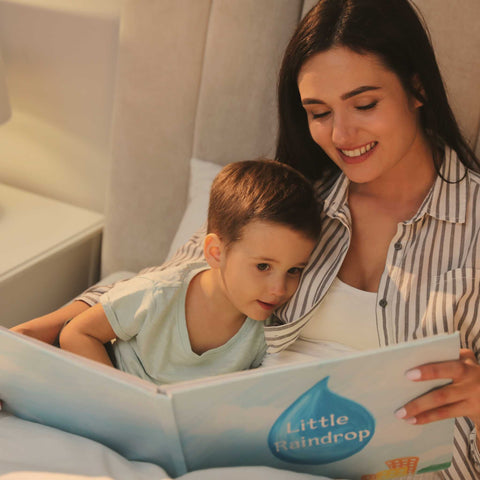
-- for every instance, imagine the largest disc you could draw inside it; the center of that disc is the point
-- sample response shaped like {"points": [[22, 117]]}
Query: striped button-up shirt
{"points": [[430, 284]]}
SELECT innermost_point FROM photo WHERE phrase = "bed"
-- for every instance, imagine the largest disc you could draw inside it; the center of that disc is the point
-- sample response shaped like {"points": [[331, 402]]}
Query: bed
{"points": [[195, 90]]}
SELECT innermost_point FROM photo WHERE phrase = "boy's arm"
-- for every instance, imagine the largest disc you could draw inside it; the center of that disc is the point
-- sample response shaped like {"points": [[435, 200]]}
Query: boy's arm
{"points": [[87, 333], [47, 327]]}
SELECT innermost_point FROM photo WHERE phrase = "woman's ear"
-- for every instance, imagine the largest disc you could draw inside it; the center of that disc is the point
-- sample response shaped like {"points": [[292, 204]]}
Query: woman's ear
{"points": [[213, 249], [419, 92]]}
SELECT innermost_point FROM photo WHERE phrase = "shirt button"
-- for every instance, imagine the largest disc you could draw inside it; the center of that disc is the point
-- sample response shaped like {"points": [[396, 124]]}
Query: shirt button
{"points": [[382, 303], [398, 246]]}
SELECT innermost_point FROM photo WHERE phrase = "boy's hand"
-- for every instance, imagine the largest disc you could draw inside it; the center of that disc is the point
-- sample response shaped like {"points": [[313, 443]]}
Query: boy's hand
{"points": [[47, 327]]}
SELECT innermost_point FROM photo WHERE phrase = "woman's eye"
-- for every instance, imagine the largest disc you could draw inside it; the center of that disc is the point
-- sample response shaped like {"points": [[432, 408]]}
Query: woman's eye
{"points": [[263, 267], [368, 106], [315, 116]]}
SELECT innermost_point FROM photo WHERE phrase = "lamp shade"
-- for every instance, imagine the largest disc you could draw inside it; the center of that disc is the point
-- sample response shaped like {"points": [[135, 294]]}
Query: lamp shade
{"points": [[5, 111]]}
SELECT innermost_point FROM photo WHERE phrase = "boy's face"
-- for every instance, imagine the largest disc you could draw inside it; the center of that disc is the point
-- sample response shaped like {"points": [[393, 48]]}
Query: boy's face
{"points": [[261, 271]]}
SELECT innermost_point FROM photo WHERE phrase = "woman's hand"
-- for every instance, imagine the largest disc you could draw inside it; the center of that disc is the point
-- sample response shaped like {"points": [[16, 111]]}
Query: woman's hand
{"points": [[461, 398]]}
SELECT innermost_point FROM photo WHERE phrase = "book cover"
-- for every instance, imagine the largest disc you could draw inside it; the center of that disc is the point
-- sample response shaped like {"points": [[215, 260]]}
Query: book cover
{"points": [[44, 384], [331, 417]]}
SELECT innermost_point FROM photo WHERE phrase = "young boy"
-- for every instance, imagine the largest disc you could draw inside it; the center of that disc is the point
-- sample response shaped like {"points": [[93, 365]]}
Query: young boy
{"points": [[206, 318]]}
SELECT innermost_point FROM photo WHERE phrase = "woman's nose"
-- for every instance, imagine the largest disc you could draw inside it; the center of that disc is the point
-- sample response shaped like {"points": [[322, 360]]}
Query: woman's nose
{"points": [[342, 130]]}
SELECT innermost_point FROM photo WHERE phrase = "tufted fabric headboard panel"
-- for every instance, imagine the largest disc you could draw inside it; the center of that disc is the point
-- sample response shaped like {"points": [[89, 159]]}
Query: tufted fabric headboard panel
{"points": [[197, 78], [456, 38]]}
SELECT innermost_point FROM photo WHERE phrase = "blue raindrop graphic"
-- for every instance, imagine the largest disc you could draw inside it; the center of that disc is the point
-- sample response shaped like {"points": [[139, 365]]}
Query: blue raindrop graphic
{"points": [[321, 427]]}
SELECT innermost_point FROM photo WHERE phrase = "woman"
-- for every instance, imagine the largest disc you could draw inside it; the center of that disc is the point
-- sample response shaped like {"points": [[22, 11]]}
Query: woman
{"points": [[363, 112]]}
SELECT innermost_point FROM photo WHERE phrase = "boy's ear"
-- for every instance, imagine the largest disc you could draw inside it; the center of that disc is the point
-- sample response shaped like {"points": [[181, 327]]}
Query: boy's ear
{"points": [[212, 249]]}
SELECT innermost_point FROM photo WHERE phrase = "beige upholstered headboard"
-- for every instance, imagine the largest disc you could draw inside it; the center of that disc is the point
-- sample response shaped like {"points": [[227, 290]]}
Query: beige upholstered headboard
{"points": [[197, 78]]}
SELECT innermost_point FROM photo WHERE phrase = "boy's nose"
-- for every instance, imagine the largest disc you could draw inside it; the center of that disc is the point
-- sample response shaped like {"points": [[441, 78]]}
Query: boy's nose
{"points": [[278, 287]]}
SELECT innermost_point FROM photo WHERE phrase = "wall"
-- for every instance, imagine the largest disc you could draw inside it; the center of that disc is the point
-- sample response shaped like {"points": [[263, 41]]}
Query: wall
{"points": [[60, 57]]}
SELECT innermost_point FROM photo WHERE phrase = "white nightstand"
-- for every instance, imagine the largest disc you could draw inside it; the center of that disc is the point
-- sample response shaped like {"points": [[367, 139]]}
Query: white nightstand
{"points": [[49, 253]]}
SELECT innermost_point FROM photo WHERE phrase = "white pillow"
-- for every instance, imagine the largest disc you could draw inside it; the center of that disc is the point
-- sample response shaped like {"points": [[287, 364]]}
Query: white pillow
{"points": [[202, 174]]}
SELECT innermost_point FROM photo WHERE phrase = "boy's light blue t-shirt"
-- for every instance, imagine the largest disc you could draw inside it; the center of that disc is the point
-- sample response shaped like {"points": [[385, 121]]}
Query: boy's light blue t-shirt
{"points": [[147, 313]]}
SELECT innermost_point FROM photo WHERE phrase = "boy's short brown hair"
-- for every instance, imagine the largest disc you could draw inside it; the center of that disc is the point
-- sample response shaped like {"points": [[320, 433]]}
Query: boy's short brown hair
{"points": [[263, 190]]}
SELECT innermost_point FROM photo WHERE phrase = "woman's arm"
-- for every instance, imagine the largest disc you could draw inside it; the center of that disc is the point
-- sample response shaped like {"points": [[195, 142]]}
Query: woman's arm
{"points": [[47, 327], [87, 333]]}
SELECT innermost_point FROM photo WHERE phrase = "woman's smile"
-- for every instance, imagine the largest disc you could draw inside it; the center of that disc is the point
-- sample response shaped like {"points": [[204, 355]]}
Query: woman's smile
{"points": [[358, 154]]}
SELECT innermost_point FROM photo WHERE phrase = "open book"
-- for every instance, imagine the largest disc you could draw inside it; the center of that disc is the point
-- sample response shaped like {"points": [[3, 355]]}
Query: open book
{"points": [[332, 417]]}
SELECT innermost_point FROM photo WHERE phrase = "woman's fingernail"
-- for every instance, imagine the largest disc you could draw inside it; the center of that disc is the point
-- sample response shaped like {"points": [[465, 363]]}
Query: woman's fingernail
{"points": [[411, 420], [414, 374], [401, 413]]}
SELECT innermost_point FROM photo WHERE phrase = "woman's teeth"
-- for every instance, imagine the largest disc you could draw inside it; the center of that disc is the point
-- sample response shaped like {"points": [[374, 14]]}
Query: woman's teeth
{"points": [[359, 151]]}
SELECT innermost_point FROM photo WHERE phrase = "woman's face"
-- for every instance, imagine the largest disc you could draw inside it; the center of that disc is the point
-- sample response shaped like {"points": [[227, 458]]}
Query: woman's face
{"points": [[360, 114]]}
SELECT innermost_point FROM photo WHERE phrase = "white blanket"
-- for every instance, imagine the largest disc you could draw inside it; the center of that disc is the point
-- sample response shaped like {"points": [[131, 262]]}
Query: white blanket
{"points": [[29, 451]]}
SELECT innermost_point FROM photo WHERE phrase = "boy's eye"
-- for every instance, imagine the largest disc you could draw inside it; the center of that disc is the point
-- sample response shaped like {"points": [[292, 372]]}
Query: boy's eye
{"points": [[295, 271], [263, 267], [368, 106]]}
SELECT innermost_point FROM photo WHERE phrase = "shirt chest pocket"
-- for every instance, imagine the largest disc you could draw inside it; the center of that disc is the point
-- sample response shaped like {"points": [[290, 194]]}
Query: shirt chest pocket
{"points": [[452, 304]]}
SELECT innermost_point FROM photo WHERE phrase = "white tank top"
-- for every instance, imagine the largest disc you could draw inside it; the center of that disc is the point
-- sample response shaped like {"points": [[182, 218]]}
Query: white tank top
{"points": [[346, 315]]}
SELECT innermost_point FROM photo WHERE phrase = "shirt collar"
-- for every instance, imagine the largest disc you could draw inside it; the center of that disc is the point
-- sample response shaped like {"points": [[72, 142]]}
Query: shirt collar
{"points": [[337, 197], [446, 200]]}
